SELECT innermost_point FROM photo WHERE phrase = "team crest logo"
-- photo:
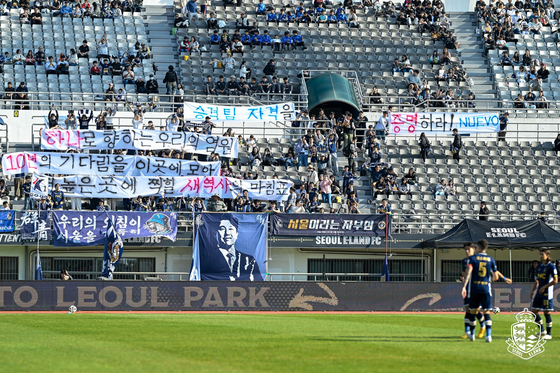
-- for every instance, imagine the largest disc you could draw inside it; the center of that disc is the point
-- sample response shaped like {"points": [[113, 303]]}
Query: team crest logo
{"points": [[9, 216], [525, 340], [199, 220], [39, 188], [159, 225], [381, 225]]}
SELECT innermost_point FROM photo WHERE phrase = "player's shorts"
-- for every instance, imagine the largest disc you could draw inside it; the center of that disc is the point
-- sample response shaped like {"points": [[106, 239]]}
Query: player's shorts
{"points": [[466, 301], [542, 303], [483, 300]]}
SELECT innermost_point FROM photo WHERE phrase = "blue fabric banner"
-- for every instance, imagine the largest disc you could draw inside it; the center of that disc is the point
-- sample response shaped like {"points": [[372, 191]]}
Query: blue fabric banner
{"points": [[230, 246], [113, 251], [7, 221], [33, 223], [88, 228]]}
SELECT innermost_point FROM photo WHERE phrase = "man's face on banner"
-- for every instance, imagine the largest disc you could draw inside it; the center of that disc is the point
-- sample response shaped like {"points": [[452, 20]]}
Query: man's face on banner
{"points": [[227, 233]]}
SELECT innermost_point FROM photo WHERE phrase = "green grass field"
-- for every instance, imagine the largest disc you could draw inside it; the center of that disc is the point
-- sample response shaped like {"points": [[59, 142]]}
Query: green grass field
{"points": [[256, 343]]}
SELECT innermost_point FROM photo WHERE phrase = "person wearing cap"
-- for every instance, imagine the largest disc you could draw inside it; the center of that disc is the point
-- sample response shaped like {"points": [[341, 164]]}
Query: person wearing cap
{"points": [[232, 87], [242, 22], [229, 62], [216, 204], [83, 50]]}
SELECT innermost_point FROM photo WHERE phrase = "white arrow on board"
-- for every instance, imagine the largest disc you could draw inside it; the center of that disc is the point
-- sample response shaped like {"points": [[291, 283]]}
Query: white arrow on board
{"points": [[301, 301]]}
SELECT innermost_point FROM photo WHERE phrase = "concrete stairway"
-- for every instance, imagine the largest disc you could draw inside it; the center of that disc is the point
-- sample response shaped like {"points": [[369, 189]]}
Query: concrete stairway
{"points": [[159, 22], [472, 54]]}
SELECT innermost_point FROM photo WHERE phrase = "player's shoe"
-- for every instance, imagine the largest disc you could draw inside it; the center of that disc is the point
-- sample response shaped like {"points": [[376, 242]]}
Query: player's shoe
{"points": [[488, 339], [471, 336], [481, 332], [547, 337], [464, 336]]}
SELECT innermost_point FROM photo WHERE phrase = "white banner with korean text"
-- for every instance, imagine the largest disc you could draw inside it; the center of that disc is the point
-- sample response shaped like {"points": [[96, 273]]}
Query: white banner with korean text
{"points": [[190, 142], [202, 186], [284, 111], [104, 165], [406, 124]]}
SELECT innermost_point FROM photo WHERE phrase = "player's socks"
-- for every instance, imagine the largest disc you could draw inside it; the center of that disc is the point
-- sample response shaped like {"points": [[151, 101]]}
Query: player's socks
{"points": [[538, 320], [467, 323], [472, 326], [548, 318], [488, 324]]}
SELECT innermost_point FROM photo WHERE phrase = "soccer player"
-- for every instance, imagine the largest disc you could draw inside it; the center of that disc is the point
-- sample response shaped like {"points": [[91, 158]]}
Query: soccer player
{"points": [[469, 251], [482, 268], [541, 293]]}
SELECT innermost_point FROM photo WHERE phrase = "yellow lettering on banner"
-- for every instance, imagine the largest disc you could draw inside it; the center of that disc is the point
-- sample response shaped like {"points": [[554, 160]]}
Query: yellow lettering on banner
{"points": [[103, 296], [4, 289], [192, 294], [154, 298], [31, 302], [236, 296], [143, 298], [293, 224], [86, 296], [213, 298], [254, 297], [60, 298]]}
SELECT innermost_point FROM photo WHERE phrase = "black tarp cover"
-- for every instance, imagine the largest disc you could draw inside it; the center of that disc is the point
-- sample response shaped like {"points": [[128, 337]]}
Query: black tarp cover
{"points": [[499, 234]]}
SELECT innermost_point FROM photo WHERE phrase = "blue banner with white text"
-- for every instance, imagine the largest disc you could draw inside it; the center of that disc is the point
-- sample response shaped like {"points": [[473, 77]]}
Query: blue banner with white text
{"points": [[88, 228], [229, 247], [7, 221]]}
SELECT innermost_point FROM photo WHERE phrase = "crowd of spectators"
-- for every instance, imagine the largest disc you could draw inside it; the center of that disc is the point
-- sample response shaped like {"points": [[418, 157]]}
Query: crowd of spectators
{"points": [[501, 24]]}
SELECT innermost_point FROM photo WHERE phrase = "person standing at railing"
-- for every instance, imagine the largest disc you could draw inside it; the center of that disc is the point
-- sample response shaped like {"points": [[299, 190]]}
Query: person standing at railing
{"points": [[53, 118], [504, 120], [483, 213], [26, 189]]}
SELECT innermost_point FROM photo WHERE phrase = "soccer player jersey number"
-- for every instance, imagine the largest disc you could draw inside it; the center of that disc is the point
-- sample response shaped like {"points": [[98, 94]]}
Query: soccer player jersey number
{"points": [[482, 269]]}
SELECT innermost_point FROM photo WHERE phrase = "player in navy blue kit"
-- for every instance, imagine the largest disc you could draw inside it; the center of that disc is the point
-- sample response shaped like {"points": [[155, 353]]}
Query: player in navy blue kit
{"points": [[543, 288], [482, 269], [469, 251]]}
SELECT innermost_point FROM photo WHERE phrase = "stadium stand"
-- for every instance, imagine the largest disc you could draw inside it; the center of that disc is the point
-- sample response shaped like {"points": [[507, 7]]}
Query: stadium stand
{"points": [[368, 51]]}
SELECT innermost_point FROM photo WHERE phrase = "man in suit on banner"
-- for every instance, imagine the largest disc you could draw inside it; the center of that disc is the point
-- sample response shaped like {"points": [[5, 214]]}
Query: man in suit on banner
{"points": [[224, 261]]}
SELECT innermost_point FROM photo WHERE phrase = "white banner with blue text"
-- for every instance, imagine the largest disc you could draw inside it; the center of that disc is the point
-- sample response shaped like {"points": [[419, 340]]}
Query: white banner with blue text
{"points": [[104, 165], [406, 124], [128, 139], [202, 186], [284, 111]]}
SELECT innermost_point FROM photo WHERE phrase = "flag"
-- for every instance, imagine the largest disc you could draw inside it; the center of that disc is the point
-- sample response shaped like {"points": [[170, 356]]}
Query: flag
{"points": [[385, 273], [113, 251], [39, 187], [38, 269]]}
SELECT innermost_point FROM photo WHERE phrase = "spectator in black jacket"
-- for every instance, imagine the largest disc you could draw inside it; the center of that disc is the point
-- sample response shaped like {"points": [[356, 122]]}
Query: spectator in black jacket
{"points": [[171, 81], [483, 212], [232, 87], [84, 119], [557, 144], [152, 85], [210, 87], [425, 146], [457, 144], [53, 118], [270, 70]]}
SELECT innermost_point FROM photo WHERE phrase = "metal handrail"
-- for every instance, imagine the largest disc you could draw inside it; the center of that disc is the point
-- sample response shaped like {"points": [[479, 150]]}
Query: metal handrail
{"points": [[324, 276]]}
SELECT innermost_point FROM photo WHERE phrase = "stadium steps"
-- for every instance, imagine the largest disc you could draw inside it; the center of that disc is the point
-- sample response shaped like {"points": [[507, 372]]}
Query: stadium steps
{"points": [[472, 54], [164, 45]]}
